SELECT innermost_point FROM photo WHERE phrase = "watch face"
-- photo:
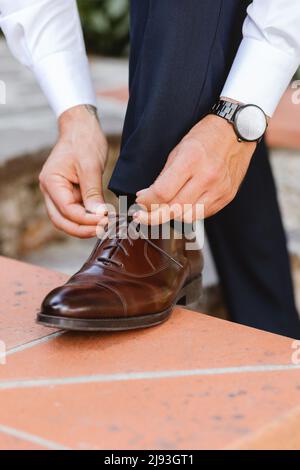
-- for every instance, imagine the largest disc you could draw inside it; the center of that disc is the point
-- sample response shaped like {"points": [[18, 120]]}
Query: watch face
{"points": [[250, 122]]}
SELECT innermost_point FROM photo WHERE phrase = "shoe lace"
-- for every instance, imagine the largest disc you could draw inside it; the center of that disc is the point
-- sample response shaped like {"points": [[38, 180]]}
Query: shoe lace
{"points": [[116, 243]]}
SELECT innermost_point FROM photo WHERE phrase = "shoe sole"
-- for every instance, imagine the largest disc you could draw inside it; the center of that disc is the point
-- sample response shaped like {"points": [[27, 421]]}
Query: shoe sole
{"points": [[187, 297]]}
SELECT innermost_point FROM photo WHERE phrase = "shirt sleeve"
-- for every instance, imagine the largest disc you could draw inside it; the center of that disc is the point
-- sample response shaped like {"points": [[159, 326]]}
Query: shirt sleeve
{"points": [[268, 56], [46, 36]]}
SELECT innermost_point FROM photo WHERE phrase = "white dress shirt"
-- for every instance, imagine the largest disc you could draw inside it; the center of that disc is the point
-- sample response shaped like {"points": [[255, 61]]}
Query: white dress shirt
{"points": [[269, 54], [46, 36]]}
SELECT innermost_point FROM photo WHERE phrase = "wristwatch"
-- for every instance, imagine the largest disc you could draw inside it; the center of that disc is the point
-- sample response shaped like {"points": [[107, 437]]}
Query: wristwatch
{"points": [[249, 121]]}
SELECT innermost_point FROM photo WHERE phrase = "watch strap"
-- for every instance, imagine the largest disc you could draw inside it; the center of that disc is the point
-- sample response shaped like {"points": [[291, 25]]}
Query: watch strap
{"points": [[225, 109]]}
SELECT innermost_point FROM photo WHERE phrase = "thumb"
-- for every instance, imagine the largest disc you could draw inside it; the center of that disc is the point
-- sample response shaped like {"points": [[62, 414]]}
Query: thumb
{"points": [[142, 192], [90, 182]]}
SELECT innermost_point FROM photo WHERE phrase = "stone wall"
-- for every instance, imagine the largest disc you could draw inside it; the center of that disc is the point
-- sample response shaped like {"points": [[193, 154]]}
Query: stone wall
{"points": [[24, 224]]}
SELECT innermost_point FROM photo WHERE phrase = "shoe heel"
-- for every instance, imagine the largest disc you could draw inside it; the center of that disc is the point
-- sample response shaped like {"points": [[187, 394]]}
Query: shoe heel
{"points": [[190, 294]]}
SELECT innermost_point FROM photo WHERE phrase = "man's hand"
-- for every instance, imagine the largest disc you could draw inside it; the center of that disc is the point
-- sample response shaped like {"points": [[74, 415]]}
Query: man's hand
{"points": [[71, 179], [207, 167]]}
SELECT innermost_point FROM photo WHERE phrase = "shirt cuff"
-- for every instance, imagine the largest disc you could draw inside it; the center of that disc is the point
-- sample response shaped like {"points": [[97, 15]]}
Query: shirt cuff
{"points": [[65, 79], [9, 7], [260, 74]]}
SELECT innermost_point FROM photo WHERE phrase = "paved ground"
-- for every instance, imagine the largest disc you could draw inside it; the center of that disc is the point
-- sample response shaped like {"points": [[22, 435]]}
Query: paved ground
{"points": [[222, 386]]}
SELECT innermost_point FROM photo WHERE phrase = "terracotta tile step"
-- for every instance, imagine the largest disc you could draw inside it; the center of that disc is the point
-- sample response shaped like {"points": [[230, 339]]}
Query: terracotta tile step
{"points": [[198, 382], [22, 289]]}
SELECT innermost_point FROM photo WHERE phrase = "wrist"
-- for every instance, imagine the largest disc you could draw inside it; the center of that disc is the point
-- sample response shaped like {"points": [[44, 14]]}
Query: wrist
{"points": [[78, 114], [225, 134], [249, 121], [225, 98], [231, 100]]}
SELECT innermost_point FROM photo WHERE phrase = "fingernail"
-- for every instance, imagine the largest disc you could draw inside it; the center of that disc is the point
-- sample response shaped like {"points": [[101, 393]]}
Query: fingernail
{"points": [[98, 209], [103, 221]]}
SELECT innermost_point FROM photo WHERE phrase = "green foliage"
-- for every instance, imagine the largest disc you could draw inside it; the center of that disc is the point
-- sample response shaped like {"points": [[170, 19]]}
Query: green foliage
{"points": [[106, 25]]}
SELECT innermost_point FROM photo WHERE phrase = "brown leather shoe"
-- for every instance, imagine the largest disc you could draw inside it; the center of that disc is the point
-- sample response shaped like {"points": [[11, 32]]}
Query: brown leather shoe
{"points": [[126, 284]]}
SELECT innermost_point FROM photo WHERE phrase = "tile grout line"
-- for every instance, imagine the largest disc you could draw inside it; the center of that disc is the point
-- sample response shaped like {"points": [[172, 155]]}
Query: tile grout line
{"points": [[121, 377], [25, 436], [35, 342]]}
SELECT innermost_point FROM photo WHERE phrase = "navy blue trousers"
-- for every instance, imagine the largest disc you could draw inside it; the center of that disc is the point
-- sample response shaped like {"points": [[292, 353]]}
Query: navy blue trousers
{"points": [[181, 53]]}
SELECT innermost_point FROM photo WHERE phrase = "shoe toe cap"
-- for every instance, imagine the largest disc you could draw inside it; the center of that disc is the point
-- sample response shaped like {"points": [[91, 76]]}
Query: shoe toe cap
{"points": [[82, 302]]}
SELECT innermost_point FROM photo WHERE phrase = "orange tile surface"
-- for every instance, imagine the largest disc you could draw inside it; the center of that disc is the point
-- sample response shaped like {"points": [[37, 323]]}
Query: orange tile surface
{"points": [[186, 341], [282, 433], [22, 289], [230, 386], [179, 413]]}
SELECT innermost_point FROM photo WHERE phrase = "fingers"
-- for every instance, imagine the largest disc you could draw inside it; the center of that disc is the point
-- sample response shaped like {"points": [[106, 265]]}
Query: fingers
{"points": [[77, 194], [71, 179], [66, 198], [67, 226], [175, 209], [161, 215], [90, 182], [207, 205], [165, 212], [206, 168], [173, 177], [200, 197]]}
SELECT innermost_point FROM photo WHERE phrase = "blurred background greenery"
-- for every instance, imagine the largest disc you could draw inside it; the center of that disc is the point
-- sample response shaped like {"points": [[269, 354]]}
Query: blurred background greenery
{"points": [[106, 26]]}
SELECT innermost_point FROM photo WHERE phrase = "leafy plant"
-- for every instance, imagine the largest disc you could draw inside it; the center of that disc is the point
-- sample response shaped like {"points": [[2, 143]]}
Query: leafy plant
{"points": [[105, 25]]}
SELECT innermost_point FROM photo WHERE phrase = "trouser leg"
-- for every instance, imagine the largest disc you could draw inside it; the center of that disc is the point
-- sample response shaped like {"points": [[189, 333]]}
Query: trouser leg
{"points": [[181, 53], [249, 247]]}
